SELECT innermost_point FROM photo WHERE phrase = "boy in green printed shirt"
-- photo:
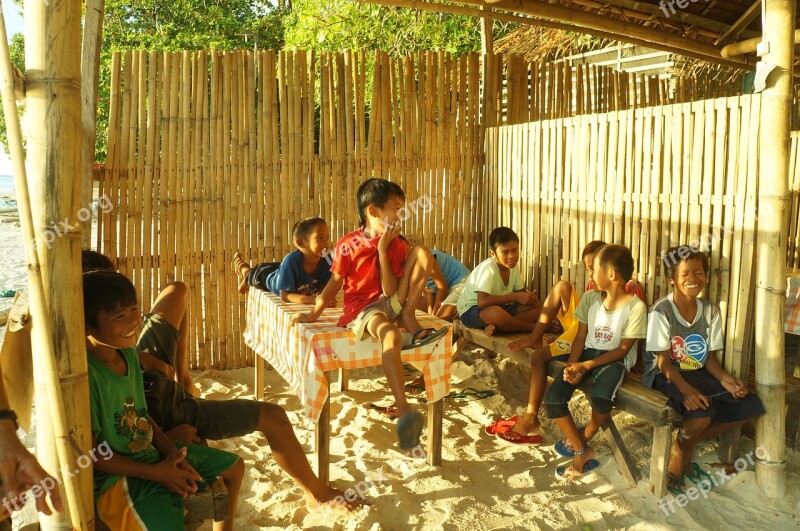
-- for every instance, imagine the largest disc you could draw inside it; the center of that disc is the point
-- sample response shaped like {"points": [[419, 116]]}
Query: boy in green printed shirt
{"points": [[141, 484]]}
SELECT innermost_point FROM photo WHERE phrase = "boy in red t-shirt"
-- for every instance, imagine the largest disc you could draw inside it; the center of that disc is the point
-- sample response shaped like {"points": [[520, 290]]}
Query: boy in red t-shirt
{"points": [[380, 272]]}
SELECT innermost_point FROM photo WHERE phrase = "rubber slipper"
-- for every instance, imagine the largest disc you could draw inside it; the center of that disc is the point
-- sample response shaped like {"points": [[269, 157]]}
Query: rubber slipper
{"points": [[389, 411], [699, 476], [568, 473], [417, 341], [512, 437], [470, 393], [409, 428], [415, 387], [675, 484], [562, 449], [501, 425]]}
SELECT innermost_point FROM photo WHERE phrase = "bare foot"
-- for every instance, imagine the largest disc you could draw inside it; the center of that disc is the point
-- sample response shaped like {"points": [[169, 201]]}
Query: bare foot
{"points": [[526, 424], [409, 322], [489, 330], [677, 463], [579, 461], [528, 342], [242, 268], [334, 501]]}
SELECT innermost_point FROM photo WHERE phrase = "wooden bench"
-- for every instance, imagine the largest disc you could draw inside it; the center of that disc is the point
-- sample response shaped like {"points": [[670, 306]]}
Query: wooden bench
{"points": [[211, 504], [632, 397]]}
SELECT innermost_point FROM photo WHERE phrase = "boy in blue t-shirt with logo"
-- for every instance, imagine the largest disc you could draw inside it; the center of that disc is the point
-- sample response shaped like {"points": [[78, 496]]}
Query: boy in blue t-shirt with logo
{"points": [[448, 277], [683, 333], [301, 275]]}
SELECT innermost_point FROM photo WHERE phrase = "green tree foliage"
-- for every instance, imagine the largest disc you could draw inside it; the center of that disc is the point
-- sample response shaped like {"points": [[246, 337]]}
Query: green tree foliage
{"points": [[17, 49]]}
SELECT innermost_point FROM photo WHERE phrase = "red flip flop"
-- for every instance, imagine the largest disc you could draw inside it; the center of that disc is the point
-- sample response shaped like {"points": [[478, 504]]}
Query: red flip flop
{"points": [[501, 425], [512, 437]]}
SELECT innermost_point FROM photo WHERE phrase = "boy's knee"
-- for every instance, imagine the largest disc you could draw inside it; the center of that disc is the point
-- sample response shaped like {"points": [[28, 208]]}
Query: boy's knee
{"points": [[601, 405], [422, 255], [178, 289], [391, 334], [556, 410], [541, 357], [563, 288]]}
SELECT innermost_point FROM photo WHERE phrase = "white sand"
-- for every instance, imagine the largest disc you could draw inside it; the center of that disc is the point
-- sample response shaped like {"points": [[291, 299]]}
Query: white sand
{"points": [[482, 484]]}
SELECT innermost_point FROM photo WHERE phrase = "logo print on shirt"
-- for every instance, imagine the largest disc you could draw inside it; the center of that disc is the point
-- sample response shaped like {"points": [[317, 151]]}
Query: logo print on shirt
{"points": [[690, 353], [603, 334]]}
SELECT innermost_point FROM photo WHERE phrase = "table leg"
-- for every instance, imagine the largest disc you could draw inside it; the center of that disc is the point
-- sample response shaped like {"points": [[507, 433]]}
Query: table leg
{"points": [[435, 417], [322, 437], [343, 380], [261, 367]]}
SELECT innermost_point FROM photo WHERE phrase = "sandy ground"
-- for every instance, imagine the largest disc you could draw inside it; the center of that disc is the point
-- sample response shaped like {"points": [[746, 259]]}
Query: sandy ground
{"points": [[482, 484]]}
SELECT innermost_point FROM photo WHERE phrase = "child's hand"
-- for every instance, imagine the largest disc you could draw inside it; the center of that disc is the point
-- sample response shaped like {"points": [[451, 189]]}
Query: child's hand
{"points": [[176, 474], [166, 369], [574, 372], [303, 318], [695, 400], [734, 385], [185, 433], [527, 298], [390, 231]]}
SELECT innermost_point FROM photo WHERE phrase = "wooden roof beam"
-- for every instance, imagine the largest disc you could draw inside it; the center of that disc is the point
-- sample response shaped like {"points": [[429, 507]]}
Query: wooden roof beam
{"points": [[592, 23], [654, 39], [745, 20]]}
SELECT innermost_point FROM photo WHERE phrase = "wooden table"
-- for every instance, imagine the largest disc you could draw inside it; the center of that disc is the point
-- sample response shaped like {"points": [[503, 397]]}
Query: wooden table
{"points": [[306, 356]]}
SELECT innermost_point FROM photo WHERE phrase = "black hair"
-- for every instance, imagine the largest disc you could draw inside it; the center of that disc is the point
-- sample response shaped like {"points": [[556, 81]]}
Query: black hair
{"points": [[303, 228], [684, 254], [502, 236], [591, 248], [105, 291], [376, 192], [618, 258], [91, 260]]}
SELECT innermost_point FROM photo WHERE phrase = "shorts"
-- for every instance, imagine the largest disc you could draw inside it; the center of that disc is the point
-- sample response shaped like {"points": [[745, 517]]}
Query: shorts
{"points": [[606, 380], [257, 277], [472, 317], [134, 504], [388, 306], [562, 346], [158, 338], [170, 405], [454, 293], [724, 406]]}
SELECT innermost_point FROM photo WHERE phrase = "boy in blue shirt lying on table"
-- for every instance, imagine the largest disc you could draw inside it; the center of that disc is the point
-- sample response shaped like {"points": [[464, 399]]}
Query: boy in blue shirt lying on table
{"points": [[302, 273]]}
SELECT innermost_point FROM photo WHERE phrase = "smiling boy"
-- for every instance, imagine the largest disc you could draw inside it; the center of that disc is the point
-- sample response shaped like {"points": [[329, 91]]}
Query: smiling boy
{"points": [[141, 485], [494, 297]]}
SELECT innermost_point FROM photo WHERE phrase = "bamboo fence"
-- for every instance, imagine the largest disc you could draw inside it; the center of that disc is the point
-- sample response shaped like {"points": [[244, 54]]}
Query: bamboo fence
{"points": [[213, 152], [647, 178]]}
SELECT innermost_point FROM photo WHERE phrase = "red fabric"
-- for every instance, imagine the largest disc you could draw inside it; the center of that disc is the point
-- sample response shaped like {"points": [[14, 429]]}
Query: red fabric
{"points": [[357, 261], [632, 287]]}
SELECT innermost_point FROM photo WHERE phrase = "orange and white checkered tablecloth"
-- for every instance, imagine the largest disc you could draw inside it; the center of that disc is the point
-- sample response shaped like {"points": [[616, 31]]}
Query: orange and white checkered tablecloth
{"points": [[303, 353]]}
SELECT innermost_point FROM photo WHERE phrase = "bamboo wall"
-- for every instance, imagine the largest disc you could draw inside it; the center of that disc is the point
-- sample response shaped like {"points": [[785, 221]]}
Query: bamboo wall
{"points": [[649, 179], [211, 152]]}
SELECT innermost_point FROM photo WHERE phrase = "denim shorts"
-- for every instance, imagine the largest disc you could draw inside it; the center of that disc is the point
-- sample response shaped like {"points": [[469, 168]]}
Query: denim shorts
{"points": [[724, 406], [472, 317], [606, 379]]}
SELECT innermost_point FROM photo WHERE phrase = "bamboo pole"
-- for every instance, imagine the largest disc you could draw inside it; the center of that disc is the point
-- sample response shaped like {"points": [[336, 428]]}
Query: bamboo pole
{"points": [[53, 93], [778, 23], [90, 69]]}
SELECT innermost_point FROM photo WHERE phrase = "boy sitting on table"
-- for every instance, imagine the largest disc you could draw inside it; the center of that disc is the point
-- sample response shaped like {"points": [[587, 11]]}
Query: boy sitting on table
{"points": [[302, 273], [141, 484], [383, 278], [494, 296]]}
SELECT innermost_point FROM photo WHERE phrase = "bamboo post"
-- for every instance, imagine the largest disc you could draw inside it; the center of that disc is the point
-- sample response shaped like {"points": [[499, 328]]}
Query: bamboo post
{"points": [[90, 69], [53, 94], [778, 23]]}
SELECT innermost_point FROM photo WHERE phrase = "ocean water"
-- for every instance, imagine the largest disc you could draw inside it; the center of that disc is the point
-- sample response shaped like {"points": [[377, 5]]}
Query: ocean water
{"points": [[6, 183]]}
